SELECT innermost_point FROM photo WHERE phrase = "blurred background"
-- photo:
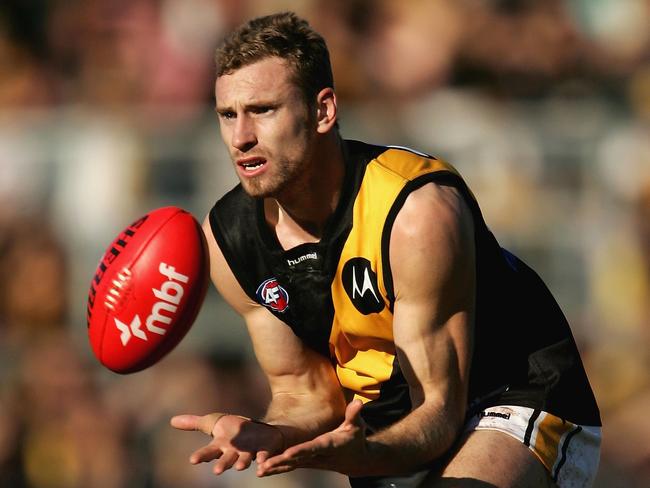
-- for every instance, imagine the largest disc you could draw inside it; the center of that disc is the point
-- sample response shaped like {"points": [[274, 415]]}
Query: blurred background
{"points": [[106, 111]]}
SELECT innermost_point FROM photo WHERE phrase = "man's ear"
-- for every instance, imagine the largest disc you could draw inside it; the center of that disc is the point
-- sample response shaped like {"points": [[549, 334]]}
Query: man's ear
{"points": [[326, 110]]}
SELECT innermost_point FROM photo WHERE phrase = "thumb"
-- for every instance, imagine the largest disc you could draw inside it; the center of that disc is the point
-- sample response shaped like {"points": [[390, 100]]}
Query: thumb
{"points": [[203, 424], [185, 422], [262, 456], [353, 413]]}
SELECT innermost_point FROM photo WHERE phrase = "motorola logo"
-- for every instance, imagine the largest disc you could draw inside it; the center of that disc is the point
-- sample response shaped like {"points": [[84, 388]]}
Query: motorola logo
{"points": [[360, 283]]}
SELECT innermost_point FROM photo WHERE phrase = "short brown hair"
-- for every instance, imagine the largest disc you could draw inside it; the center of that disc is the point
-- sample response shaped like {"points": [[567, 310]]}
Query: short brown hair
{"points": [[286, 36]]}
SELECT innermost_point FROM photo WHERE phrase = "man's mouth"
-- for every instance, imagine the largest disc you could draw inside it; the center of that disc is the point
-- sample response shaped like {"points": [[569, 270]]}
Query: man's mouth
{"points": [[251, 164]]}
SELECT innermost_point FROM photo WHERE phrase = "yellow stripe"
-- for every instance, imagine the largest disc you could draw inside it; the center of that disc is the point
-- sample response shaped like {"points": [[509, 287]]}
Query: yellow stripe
{"points": [[363, 345], [550, 431], [409, 165]]}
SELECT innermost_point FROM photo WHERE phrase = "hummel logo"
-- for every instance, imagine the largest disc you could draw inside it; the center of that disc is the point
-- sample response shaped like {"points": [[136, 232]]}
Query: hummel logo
{"points": [[365, 298], [300, 259]]}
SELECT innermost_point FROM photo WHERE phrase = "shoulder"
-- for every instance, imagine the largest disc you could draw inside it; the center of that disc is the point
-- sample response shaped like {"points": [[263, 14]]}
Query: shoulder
{"points": [[432, 248], [432, 211], [222, 274], [234, 201], [231, 216]]}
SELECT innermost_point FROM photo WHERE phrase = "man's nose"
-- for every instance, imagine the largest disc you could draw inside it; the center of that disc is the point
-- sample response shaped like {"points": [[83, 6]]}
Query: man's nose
{"points": [[244, 137]]}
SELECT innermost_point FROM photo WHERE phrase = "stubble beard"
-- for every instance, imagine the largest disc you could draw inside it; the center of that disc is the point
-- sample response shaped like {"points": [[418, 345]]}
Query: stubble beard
{"points": [[285, 178], [272, 185]]}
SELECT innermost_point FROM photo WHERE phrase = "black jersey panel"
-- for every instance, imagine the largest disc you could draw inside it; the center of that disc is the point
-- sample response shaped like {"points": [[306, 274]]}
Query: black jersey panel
{"points": [[556, 380], [231, 221]]}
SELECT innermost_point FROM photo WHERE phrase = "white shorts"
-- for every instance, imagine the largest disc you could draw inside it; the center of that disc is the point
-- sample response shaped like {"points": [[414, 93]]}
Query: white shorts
{"points": [[569, 452]]}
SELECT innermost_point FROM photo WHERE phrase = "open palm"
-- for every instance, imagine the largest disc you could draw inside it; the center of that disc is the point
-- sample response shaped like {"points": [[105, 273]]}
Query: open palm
{"points": [[343, 449]]}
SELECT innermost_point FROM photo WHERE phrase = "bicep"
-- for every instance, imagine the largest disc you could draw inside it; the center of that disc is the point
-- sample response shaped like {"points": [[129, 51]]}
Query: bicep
{"points": [[433, 265], [290, 366]]}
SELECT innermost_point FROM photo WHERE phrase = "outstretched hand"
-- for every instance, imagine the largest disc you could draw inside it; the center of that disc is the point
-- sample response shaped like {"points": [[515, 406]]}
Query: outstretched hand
{"points": [[236, 441], [344, 449]]}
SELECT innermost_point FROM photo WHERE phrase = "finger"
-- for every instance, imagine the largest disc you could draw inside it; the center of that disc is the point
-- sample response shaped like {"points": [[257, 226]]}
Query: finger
{"points": [[284, 463], [207, 422], [262, 456], [299, 456], [304, 459], [308, 449], [185, 422], [280, 469], [353, 412], [225, 462], [276, 465], [203, 423], [205, 454], [244, 461]]}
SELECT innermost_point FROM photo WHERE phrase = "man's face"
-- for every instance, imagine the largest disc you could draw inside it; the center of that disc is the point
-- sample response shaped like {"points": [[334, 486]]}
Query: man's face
{"points": [[265, 124]]}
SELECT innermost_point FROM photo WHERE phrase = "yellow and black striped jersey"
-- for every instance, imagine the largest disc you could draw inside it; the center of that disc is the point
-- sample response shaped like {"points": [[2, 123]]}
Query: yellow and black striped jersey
{"points": [[337, 294]]}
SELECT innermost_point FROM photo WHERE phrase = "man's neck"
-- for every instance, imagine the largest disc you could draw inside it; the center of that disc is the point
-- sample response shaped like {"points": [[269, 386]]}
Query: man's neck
{"points": [[300, 216]]}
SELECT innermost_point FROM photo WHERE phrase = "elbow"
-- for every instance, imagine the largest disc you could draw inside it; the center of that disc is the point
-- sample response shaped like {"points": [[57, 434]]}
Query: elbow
{"points": [[445, 426], [456, 414], [446, 438]]}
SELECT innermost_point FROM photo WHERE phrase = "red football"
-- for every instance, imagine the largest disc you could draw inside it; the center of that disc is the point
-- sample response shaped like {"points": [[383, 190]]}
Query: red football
{"points": [[147, 290]]}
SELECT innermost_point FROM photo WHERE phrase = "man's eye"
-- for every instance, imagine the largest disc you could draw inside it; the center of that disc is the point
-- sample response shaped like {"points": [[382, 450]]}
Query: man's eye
{"points": [[227, 115], [261, 109]]}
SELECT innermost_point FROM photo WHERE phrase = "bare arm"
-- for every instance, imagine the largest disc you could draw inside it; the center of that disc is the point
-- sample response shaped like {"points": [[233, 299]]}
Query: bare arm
{"points": [[306, 395], [307, 399], [433, 263], [433, 266]]}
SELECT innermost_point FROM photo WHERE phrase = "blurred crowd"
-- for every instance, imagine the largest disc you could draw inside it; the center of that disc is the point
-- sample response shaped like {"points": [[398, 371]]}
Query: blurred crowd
{"points": [[106, 111]]}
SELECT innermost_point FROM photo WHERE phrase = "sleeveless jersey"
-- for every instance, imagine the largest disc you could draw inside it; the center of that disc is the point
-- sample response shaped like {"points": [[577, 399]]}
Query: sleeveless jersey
{"points": [[337, 294]]}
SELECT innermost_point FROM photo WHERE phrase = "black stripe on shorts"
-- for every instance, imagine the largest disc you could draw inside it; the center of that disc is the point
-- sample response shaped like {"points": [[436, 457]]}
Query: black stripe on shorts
{"points": [[531, 426], [565, 448]]}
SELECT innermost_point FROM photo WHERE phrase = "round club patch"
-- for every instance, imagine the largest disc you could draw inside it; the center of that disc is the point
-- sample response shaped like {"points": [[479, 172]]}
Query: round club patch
{"points": [[272, 295]]}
